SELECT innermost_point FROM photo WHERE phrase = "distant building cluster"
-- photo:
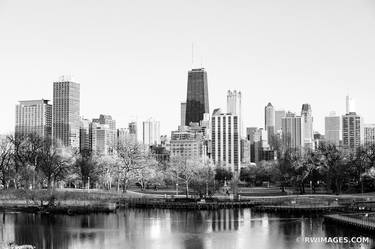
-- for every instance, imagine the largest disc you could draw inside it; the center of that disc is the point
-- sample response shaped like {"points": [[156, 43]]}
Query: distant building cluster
{"points": [[218, 138]]}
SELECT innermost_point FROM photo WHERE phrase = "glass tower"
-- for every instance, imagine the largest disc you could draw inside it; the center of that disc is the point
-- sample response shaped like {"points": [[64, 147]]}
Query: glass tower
{"points": [[197, 96]]}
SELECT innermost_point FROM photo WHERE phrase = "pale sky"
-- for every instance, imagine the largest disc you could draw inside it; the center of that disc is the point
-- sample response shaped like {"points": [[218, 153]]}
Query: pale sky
{"points": [[132, 57]]}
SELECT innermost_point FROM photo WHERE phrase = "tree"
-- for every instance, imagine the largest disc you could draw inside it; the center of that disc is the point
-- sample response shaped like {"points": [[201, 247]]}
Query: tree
{"points": [[334, 167], [284, 169], [149, 173], [5, 161], [130, 159], [185, 170], [223, 174], [86, 168], [54, 163], [26, 149]]}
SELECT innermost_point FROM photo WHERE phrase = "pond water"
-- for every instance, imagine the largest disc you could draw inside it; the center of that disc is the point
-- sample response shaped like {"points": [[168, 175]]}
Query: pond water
{"points": [[171, 229]]}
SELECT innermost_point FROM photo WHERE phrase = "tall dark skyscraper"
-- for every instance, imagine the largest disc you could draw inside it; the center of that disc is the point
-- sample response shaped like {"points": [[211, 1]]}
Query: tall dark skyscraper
{"points": [[197, 96]]}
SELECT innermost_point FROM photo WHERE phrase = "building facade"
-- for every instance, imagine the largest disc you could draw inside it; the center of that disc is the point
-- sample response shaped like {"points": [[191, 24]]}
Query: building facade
{"points": [[226, 141], [187, 144], [84, 136], [151, 132], [234, 106], [66, 110], [112, 131], [279, 114], [369, 134], [352, 131], [292, 137], [333, 129], [34, 117], [197, 96], [307, 127], [269, 120], [183, 114], [133, 131]]}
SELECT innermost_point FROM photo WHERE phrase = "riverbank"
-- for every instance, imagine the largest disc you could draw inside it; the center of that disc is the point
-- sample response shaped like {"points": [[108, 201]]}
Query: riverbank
{"points": [[74, 201]]}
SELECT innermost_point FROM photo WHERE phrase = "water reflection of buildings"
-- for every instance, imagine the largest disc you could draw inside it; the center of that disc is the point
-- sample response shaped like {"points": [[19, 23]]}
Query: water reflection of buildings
{"points": [[226, 219], [165, 229]]}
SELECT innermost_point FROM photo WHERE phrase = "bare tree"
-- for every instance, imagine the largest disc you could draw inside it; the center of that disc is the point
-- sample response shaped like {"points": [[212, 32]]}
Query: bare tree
{"points": [[130, 157], [5, 161], [54, 163], [184, 169]]}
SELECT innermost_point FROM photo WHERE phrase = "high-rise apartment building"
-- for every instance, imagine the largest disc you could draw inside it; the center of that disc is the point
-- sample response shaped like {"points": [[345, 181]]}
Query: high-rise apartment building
{"points": [[151, 132], [34, 117], [269, 116], [133, 131], [112, 131], [101, 139], [333, 129], [269, 120], [279, 114], [352, 131], [66, 108], [197, 96], [292, 131], [234, 106], [307, 123], [369, 134], [84, 136], [226, 141]]}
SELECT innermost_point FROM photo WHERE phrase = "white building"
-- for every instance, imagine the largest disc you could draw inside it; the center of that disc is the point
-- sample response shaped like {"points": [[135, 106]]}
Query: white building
{"points": [[151, 132], [234, 106], [350, 104], [101, 139], [307, 129], [226, 141]]}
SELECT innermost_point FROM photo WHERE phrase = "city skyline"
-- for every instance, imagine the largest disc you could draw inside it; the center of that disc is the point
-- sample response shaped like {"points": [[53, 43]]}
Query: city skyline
{"points": [[113, 68]]}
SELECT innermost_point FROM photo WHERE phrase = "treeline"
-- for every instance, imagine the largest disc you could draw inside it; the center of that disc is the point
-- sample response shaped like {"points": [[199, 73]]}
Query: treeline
{"points": [[31, 162], [328, 167]]}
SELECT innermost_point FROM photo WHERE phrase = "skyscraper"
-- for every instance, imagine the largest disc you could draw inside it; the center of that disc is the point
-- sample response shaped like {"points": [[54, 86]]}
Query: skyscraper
{"points": [[350, 104], [369, 134], [234, 106], [269, 118], [133, 131], [226, 141], [333, 129], [183, 113], [307, 123], [151, 132], [197, 96], [292, 131], [84, 136], [352, 131], [269, 121], [34, 117], [66, 107], [111, 132], [279, 114], [101, 139]]}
